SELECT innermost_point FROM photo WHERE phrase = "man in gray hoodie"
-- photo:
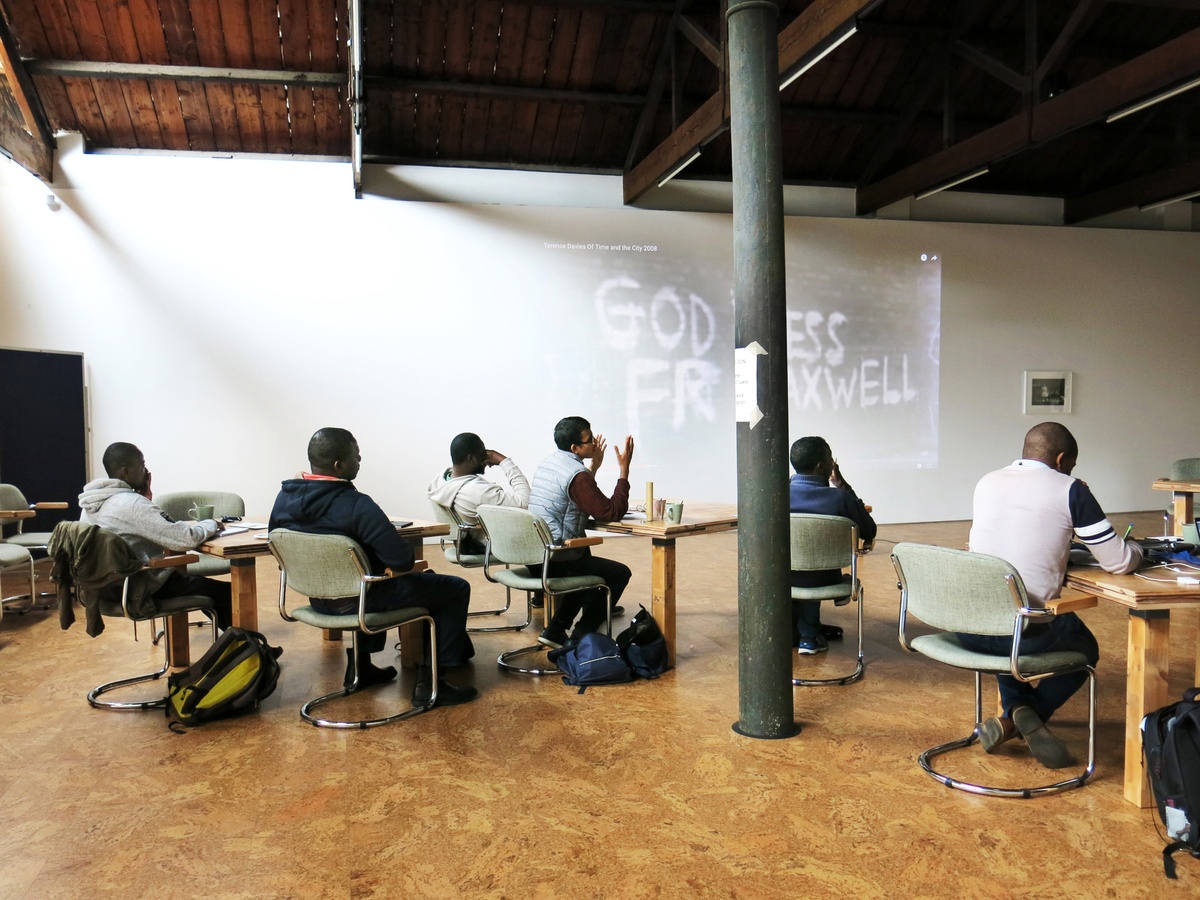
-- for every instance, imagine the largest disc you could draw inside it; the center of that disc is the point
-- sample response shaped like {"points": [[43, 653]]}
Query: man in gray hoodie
{"points": [[123, 502]]}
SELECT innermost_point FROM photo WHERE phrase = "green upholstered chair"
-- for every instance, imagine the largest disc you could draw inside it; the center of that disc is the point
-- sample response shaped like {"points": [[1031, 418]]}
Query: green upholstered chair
{"points": [[177, 504], [332, 567], [828, 542], [131, 605], [452, 549], [15, 559], [957, 591], [12, 500], [1186, 469], [517, 538]]}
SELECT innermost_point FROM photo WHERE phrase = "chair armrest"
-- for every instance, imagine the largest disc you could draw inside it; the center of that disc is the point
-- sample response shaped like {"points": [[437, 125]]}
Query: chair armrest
{"points": [[579, 542], [1071, 601], [178, 559], [419, 565], [17, 513], [49, 505]]}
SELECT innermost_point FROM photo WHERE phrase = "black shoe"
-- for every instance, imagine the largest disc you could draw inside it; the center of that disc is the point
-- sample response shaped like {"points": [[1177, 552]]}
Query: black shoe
{"points": [[552, 636], [618, 611], [368, 674], [1046, 748], [538, 600], [831, 632], [447, 693]]}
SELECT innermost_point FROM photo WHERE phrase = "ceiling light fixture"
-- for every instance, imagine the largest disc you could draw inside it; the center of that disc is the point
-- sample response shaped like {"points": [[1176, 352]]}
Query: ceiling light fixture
{"points": [[820, 56], [1158, 98], [679, 168], [929, 192], [1189, 195]]}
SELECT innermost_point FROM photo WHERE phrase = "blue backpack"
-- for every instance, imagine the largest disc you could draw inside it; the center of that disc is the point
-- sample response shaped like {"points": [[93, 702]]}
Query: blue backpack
{"points": [[596, 659]]}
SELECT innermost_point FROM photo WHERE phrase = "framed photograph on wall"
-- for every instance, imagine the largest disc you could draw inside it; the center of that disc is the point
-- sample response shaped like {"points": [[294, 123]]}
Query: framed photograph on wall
{"points": [[1047, 392]]}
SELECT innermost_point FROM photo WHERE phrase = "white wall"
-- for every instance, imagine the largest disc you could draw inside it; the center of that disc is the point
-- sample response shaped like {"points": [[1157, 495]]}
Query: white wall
{"points": [[227, 308]]}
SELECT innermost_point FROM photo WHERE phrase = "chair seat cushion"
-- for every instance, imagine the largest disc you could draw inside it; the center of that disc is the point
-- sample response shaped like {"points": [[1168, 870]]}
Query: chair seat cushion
{"points": [[168, 607], [521, 579], [466, 560], [11, 555], [825, 592], [29, 539], [207, 566], [945, 648], [376, 621]]}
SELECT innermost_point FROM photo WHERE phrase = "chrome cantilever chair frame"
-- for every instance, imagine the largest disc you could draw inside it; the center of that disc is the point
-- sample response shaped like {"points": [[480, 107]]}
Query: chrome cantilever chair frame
{"points": [[1028, 668], [459, 529], [166, 608], [833, 526], [359, 621], [13, 500], [516, 575]]}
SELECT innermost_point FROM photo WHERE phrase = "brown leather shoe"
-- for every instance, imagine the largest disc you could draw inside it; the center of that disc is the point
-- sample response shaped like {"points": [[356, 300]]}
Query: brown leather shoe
{"points": [[995, 731]]}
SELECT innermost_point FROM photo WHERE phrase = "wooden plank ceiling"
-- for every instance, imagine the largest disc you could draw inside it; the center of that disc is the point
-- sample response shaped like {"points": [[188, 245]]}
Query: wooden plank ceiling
{"points": [[897, 97]]}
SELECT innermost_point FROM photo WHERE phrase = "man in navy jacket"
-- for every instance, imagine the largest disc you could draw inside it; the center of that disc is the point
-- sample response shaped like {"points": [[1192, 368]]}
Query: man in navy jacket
{"points": [[819, 488], [325, 501]]}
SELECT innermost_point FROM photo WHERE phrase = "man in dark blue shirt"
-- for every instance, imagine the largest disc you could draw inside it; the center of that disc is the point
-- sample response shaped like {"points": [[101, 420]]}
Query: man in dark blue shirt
{"points": [[819, 488]]}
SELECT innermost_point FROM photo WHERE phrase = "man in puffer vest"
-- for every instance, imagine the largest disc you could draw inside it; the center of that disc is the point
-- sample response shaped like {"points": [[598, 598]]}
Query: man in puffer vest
{"points": [[565, 494]]}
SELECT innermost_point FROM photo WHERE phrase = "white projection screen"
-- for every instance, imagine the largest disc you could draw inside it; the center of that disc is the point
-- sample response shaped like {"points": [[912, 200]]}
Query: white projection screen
{"points": [[643, 321]]}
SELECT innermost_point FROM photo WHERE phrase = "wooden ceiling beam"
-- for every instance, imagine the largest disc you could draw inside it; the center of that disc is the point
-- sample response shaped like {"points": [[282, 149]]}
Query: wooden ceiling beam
{"points": [[700, 39], [991, 66], [1145, 191], [1155, 70], [70, 68], [803, 39], [29, 141]]}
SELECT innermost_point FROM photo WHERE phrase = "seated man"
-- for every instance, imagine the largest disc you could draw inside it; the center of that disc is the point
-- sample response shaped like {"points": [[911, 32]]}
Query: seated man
{"points": [[124, 503], [463, 488], [326, 502], [819, 488], [1027, 514], [565, 494]]}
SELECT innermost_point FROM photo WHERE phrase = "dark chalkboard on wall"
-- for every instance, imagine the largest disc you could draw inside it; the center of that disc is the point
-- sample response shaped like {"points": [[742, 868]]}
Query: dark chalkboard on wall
{"points": [[43, 430]]}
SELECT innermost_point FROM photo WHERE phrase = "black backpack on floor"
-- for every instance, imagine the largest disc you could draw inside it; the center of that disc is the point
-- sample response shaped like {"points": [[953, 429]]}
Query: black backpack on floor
{"points": [[1171, 744], [234, 674]]}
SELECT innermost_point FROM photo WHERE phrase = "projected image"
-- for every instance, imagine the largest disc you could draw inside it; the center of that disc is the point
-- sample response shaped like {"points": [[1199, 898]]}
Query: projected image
{"points": [[646, 347]]}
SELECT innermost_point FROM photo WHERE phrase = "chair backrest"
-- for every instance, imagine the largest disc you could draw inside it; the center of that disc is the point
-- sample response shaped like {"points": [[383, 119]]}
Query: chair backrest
{"points": [[1181, 470], [325, 566], [516, 536], [822, 542], [957, 590], [177, 504], [11, 498], [446, 516]]}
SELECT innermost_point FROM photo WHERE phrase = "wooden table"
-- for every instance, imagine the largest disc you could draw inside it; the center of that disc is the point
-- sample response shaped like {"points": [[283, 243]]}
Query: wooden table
{"points": [[1149, 604], [1182, 501], [698, 518], [243, 550]]}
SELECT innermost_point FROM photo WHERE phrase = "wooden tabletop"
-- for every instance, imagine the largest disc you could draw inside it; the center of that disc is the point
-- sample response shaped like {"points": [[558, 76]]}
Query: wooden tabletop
{"points": [[1166, 484], [249, 543], [698, 518], [17, 513], [1133, 591]]}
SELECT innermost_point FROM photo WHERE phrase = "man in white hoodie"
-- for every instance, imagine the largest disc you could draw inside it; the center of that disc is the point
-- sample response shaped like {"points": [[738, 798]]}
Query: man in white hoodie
{"points": [[463, 488], [123, 503]]}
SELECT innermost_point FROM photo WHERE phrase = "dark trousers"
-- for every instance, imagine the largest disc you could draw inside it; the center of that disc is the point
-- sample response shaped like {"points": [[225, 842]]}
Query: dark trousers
{"points": [[567, 606], [1066, 632], [806, 619], [180, 584], [445, 596]]}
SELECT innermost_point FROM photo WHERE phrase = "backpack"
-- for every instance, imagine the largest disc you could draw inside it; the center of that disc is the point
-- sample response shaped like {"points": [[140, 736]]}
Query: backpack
{"points": [[643, 646], [234, 674], [596, 659], [1171, 744]]}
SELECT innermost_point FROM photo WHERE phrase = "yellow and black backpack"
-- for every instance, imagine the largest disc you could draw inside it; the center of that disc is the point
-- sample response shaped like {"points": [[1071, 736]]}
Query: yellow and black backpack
{"points": [[233, 675]]}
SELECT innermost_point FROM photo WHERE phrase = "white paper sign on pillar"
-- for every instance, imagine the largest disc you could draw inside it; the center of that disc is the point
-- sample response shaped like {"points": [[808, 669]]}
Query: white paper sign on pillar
{"points": [[745, 379]]}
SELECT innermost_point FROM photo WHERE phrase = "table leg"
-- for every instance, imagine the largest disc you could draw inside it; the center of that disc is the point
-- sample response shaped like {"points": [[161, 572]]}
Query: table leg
{"points": [[1145, 691], [1181, 511], [245, 593], [179, 649], [662, 590], [413, 636]]}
